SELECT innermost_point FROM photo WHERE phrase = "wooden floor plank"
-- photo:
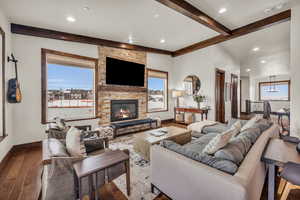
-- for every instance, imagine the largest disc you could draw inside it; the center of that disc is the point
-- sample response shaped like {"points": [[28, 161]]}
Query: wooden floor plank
{"points": [[10, 174]]}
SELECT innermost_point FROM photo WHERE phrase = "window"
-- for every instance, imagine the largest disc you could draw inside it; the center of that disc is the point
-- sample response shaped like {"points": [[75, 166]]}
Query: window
{"points": [[68, 86], [274, 91], [157, 90]]}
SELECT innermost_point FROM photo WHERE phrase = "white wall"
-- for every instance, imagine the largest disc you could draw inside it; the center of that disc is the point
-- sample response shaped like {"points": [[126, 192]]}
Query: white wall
{"points": [[203, 64], [27, 114], [254, 86], [295, 70], [245, 92], [164, 63], [7, 143]]}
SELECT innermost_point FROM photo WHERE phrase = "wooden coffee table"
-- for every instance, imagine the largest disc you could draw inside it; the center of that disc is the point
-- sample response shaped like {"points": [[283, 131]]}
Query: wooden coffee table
{"points": [[143, 141]]}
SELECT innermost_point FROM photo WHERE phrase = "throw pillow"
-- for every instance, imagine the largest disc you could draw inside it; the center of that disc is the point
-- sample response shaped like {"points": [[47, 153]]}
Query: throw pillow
{"points": [[74, 143], [236, 127], [250, 123], [219, 141], [60, 123]]}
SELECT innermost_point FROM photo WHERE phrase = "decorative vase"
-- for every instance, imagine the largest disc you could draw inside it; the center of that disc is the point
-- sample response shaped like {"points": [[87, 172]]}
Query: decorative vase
{"points": [[199, 105]]}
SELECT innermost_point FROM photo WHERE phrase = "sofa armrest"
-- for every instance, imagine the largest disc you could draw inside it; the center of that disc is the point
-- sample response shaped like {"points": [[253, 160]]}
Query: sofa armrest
{"points": [[182, 178]]}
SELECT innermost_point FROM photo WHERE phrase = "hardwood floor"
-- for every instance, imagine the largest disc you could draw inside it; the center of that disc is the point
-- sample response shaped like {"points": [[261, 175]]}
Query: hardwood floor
{"points": [[20, 179]]}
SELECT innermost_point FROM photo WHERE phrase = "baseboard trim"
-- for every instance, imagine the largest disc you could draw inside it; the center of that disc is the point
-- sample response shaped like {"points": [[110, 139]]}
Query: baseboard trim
{"points": [[28, 145]]}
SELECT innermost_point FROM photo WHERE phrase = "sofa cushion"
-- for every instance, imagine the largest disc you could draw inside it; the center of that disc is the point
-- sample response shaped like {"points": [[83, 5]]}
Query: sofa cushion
{"points": [[57, 148], [251, 133], [199, 144], [238, 147], [263, 124], [217, 128], [250, 123], [220, 164], [219, 141], [74, 142]]}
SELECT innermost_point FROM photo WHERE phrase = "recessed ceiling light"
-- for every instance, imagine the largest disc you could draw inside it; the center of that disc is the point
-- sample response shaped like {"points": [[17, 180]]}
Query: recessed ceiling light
{"points": [[263, 62], [162, 41], [71, 19], [222, 10], [86, 8], [256, 49], [248, 70], [156, 16]]}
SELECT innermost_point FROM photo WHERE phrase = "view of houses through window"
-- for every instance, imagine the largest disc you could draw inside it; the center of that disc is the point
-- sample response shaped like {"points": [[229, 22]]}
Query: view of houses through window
{"points": [[157, 91], [69, 86], [70, 92]]}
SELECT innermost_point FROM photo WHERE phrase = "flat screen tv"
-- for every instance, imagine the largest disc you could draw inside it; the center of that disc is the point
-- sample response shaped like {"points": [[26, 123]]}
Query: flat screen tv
{"points": [[119, 72]]}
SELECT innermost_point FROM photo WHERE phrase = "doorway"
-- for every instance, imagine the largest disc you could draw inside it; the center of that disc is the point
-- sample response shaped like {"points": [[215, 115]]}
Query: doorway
{"points": [[219, 93], [234, 96]]}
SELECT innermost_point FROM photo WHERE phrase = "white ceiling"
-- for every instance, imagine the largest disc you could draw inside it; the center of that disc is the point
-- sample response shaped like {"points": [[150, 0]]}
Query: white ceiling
{"points": [[118, 19], [239, 12], [274, 44], [111, 19]]}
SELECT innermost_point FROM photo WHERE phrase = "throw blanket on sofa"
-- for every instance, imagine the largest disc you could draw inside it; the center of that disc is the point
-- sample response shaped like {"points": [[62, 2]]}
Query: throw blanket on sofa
{"points": [[199, 126]]}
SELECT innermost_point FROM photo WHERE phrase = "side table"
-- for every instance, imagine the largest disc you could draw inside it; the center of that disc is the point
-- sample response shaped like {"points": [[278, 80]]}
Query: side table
{"points": [[276, 153], [90, 166]]}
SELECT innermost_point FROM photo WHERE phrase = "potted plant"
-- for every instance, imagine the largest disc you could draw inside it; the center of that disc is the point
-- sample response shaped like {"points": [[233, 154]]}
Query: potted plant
{"points": [[199, 99]]}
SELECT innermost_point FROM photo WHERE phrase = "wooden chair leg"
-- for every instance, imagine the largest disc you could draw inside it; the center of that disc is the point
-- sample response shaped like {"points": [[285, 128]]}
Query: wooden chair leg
{"points": [[286, 191], [281, 186]]}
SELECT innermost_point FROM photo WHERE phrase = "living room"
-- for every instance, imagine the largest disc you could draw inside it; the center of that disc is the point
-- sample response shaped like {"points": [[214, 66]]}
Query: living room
{"points": [[192, 71]]}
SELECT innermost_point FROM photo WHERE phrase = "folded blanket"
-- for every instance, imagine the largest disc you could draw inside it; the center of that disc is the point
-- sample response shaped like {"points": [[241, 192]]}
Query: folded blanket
{"points": [[198, 126]]}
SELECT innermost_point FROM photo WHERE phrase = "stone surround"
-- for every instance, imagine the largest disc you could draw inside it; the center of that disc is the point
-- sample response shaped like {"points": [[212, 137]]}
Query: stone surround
{"points": [[119, 92]]}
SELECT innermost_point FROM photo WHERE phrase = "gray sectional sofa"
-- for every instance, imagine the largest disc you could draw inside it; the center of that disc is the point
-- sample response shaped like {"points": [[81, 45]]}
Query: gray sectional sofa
{"points": [[234, 172]]}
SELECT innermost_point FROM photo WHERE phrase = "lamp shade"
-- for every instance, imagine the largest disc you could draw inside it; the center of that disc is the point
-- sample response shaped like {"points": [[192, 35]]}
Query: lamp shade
{"points": [[178, 93]]}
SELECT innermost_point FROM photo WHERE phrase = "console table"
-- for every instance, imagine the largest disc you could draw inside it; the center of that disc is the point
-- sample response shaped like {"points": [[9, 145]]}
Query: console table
{"points": [[203, 112]]}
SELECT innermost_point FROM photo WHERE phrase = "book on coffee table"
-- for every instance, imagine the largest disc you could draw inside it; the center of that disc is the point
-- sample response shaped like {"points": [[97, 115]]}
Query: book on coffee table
{"points": [[159, 132]]}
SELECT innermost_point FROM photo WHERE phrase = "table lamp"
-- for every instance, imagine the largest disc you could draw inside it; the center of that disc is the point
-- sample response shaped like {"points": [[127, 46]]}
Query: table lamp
{"points": [[176, 94]]}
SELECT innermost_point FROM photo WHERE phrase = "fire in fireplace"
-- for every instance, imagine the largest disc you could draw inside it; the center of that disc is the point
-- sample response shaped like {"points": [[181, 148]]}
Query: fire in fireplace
{"points": [[124, 110]]}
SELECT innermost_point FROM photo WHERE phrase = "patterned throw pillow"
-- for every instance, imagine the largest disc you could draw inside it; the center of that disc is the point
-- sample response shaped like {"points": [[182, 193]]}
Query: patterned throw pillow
{"points": [[219, 141], [74, 143], [60, 123], [237, 126]]}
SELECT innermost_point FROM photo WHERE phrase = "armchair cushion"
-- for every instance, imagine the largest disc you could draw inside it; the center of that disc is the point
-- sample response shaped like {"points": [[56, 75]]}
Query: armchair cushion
{"points": [[57, 148]]}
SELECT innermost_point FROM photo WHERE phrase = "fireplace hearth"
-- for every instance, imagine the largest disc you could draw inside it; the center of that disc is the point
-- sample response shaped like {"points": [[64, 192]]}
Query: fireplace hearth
{"points": [[124, 110]]}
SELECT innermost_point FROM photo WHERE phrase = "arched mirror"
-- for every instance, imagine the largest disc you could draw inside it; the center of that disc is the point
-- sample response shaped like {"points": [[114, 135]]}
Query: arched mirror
{"points": [[192, 85]]}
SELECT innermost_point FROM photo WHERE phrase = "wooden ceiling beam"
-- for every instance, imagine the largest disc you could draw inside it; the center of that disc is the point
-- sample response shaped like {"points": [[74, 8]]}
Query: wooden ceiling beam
{"points": [[194, 13], [250, 28], [46, 33]]}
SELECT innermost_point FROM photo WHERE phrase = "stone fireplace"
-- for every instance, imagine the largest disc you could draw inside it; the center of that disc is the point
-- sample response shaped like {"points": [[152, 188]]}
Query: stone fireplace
{"points": [[124, 110], [108, 95]]}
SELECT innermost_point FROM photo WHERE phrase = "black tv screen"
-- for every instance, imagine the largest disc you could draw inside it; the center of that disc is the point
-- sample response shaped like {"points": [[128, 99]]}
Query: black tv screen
{"points": [[119, 72]]}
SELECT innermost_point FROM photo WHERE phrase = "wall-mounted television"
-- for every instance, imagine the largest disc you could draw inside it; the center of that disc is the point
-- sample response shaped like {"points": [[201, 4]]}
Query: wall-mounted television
{"points": [[120, 72]]}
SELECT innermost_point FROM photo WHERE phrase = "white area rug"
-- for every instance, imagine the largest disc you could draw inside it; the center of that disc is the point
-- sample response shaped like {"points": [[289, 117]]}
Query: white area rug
{"points": [[139, 171]]}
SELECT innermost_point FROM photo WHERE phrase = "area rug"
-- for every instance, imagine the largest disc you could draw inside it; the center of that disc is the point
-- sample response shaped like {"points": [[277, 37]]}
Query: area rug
{"points": [[139, 171]]}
